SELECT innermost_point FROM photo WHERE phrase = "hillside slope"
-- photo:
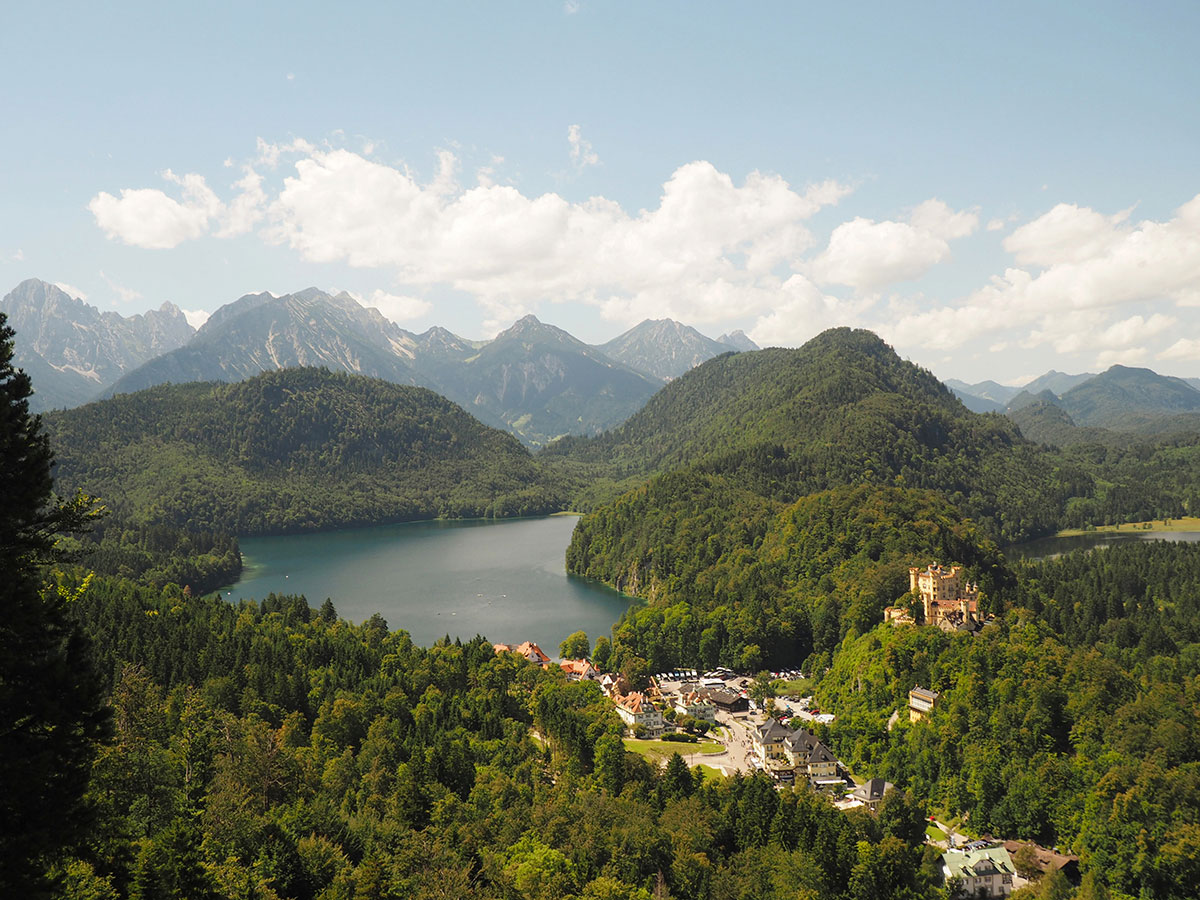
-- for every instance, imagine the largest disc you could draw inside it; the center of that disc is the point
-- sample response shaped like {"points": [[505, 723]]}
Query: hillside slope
{"points": [[292, 450]]}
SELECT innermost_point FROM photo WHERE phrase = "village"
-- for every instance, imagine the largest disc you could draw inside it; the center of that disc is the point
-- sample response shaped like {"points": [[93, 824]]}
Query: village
{"points": [[710, 719]]}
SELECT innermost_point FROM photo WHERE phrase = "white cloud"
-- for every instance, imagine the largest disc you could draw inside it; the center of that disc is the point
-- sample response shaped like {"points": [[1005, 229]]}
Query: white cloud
{"points": [[1130, 356], [570, 7], [196, 317], [1066, 234], [147, 217], [708, 251], [70, 290], [1184, 348], [582, 154], [18, 255], [868, 255], [127, 295], [397, 308], [995, 225]]}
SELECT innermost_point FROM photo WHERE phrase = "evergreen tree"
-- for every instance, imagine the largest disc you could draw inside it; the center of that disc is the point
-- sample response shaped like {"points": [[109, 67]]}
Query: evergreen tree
{"points": [[50, 703]]}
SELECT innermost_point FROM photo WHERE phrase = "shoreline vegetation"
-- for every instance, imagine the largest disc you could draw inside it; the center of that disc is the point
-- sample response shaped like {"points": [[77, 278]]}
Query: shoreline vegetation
{"points": [[1177, 525]]}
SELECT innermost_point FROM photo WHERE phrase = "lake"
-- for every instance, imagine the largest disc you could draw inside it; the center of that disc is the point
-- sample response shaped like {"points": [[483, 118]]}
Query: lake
{"points": [[504, 579], [1052, 547]]}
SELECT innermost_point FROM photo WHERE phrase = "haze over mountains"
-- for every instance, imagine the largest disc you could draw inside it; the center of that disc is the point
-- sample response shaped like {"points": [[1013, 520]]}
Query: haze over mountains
{"points": [[533, 379]]}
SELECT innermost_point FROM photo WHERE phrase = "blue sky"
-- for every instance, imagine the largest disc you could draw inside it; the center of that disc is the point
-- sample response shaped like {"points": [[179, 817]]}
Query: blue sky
{"points": [[997, 189]]}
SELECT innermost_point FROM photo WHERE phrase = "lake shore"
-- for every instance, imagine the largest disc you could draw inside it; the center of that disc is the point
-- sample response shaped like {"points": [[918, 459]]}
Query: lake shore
{"points": [[1185, 524]]}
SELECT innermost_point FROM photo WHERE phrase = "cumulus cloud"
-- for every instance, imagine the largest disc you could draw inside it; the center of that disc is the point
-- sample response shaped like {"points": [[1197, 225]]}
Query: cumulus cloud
{"points": [[582, 154], [148, 217], [1066, 234], [1084, 267], [710, 248], [1184, 348], [868, 255], [397, 308]]}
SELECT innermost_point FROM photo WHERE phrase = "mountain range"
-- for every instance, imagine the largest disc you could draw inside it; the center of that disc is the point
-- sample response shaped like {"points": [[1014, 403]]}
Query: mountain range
{"points": [[72, 350], [533, 379]]}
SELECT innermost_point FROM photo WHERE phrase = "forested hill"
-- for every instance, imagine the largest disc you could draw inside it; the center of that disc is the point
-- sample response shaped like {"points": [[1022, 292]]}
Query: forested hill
{"points": [[842, 409], [292, 450]]}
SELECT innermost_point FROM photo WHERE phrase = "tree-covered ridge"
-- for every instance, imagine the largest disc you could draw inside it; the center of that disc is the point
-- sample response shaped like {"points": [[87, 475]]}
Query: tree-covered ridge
{"points": [[293, 450], [1072, 720], [750, 583], [842, 409], [274, 751]]}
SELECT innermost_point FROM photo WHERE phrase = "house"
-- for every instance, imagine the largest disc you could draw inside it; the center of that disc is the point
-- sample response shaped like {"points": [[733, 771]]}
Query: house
{"points": [[870, 793], [697, 706], [529, 650], [797, 752], [635, 709], [769, 743], [726, 701], [810, 757], [614, 685], [1048, 860], [921, 703], [579, 670], [985, 871]]}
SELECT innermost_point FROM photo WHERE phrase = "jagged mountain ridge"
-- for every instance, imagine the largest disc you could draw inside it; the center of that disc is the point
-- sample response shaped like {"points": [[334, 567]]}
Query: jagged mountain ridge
{"points": [[260, 332], [665, 349], [72, 350], [540, 382]]}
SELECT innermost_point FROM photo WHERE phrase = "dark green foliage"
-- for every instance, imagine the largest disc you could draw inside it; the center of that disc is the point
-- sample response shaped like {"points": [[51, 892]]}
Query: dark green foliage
{"points": [[730, 584], [1071, 721], [293, 450], [50, 704], [274, 747]]}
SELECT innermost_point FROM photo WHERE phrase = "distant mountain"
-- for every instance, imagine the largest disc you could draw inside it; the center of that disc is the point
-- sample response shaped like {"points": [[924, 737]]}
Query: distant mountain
{"points": [[541, 383], [292, 450], [1056, 382], [663, 348], [1025, 398], [1127, 397], [261, 332], [998, 394], [974, 402], [72, 350], [738, 341]]}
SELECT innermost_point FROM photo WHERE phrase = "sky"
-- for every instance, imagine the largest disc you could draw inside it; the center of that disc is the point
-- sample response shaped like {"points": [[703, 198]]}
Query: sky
{"points": [[995, 189]]}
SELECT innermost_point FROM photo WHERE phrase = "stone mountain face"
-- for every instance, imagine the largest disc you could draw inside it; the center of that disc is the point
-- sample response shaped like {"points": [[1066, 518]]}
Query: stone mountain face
{"points": [[540, 382], [738, 341], [260, 333], [664, 349], [72, 350]]}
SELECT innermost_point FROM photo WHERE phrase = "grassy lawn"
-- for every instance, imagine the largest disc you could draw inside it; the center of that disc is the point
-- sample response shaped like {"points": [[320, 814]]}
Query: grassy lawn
{"points": [[658, 751], [787, 687], [935, 833], [709, 772], [1188, 523]]}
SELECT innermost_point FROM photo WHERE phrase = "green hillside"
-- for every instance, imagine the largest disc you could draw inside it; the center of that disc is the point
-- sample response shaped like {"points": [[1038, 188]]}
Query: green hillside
{"points": [[842, 409], [292, 450]]}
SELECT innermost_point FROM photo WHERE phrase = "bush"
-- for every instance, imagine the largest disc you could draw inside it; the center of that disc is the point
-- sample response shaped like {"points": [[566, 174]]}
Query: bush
{"points": [[680, 738]]}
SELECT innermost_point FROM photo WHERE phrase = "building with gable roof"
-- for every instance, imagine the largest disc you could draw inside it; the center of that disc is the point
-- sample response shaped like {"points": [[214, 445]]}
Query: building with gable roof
{"points": [[696, 705], [636, 709], [528, 649], [579, 670], [870, 793], [985, 871]]}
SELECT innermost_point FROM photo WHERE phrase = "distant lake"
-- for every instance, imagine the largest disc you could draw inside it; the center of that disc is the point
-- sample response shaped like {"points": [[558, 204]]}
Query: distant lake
{"points": [[1051, 547], [503, 579]]}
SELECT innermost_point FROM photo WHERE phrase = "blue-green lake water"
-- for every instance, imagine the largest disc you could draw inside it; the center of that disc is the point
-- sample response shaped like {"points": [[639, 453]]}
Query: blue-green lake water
{"points": [[506, 580]]}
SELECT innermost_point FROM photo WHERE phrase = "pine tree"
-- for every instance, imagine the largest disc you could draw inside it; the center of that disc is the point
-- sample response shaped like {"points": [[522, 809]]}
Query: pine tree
{"points": [[50, 703]]}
